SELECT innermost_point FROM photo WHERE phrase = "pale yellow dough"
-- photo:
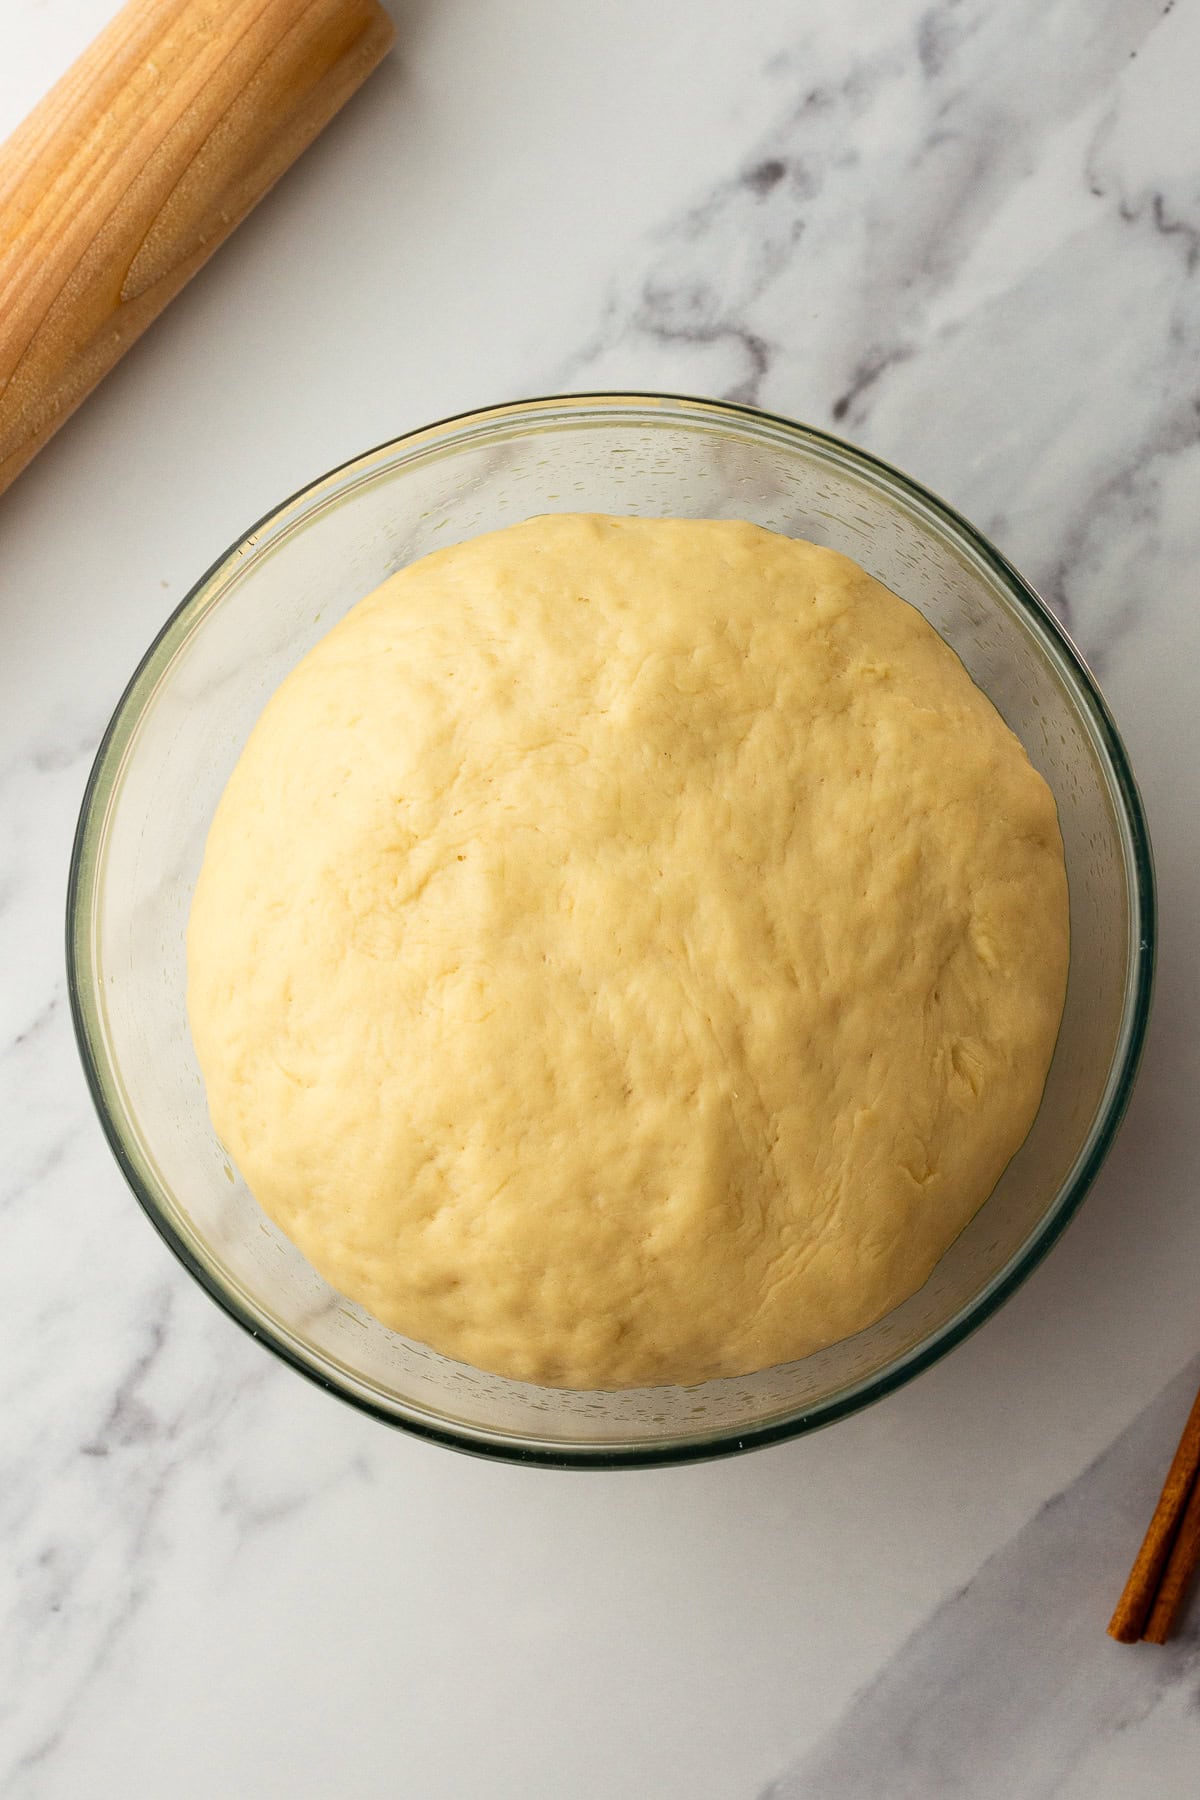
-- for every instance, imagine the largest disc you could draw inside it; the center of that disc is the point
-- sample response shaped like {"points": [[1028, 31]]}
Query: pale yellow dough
{"points": [[628, 951]]}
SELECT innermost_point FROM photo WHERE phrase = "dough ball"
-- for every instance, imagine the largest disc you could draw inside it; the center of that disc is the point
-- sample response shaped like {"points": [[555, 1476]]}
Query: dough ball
{"points": [[628, 951]]}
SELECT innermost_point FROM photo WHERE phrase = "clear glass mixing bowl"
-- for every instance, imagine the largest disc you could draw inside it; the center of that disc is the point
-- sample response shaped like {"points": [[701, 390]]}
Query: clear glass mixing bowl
{"points": [[186, 714]]}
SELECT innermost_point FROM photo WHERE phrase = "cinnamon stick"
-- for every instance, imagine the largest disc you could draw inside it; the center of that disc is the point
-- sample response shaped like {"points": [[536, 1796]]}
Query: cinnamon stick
{"points": [[1137, 1602], [1177, 1577]]}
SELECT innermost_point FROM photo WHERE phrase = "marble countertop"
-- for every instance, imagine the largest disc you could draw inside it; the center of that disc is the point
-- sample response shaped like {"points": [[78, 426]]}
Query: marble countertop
{"points": [[967, 235]]}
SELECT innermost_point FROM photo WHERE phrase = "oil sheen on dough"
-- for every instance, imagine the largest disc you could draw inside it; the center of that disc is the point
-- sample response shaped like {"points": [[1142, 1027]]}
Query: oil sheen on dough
{"points": [[628, 951]]}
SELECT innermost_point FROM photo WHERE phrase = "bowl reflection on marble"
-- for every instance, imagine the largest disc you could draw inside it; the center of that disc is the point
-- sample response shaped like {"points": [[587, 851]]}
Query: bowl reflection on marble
{"points": [[187, 712]]}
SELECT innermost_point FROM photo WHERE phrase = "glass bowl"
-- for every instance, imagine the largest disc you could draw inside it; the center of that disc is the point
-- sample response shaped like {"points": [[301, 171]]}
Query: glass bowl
{"points": [[182, 722]]}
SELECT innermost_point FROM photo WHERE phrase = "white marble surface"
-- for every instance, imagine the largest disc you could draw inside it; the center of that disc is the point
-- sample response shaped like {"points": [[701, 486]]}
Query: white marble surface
{"points": [[967, 234]]}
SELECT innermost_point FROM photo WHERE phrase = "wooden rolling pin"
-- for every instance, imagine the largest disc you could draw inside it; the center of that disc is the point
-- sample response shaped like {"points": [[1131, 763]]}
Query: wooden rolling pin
{"points": [[131, 172]]}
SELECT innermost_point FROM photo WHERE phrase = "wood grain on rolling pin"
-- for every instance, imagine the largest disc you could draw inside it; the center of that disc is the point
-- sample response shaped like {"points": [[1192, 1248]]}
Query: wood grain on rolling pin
{"points": [[138, 164]]}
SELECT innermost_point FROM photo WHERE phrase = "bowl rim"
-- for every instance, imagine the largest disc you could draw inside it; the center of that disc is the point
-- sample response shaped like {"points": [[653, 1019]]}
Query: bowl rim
{"points": [[1142, 950]]}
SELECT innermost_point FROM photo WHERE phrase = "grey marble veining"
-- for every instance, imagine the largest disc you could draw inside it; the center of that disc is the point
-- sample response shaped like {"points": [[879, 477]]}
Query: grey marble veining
{"points": [[1012, 1685], [967, 236], [969, 260]]}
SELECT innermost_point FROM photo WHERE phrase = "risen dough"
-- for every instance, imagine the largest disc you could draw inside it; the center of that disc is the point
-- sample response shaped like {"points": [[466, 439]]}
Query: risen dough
{"points": [[628, 951]]}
